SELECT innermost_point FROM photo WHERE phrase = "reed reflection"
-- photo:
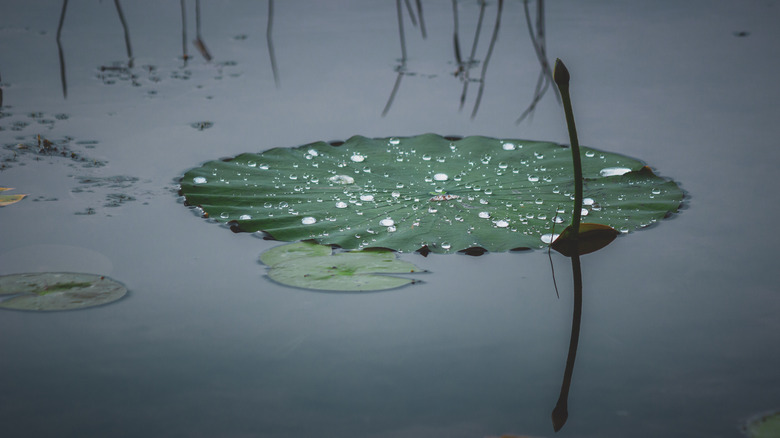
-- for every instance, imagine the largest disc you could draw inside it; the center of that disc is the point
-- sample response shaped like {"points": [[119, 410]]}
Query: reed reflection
{"points": [[401, 67], [63, 79], [199, 43], [487, 58], [61, 53], [422, 19], [184, 54], [269, 40], [538, 40], [126, 32], [464, 66]]}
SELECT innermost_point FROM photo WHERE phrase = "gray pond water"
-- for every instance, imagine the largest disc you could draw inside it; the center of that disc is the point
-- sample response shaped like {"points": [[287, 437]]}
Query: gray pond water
{"points": [[680, 324]]}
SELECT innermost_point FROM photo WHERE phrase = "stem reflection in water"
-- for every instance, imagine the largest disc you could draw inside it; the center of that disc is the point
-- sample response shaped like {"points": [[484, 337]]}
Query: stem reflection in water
{"points": [[561, 411]]}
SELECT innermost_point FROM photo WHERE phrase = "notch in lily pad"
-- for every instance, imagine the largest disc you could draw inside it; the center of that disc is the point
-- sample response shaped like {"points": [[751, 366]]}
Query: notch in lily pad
{"points": [[309, 265], [51, 291]]}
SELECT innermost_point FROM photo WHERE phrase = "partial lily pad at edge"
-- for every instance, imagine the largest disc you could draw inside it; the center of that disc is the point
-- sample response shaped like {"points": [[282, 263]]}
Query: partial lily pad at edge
{"points": [[51, 291], [766, 426], [312, 266]]}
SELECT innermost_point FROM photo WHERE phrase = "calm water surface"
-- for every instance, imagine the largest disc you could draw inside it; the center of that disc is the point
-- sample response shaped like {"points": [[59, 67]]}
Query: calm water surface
{"points": [[680, 330]]}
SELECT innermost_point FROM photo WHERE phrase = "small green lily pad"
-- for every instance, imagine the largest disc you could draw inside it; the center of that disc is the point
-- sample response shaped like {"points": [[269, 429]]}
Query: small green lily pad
{"points": [[312, 266], [293, 251], [47, 291], [766, 426]]}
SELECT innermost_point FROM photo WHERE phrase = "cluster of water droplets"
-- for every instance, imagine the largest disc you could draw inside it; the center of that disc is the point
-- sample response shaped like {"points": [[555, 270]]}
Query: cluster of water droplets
{"points": [[369, 191]]}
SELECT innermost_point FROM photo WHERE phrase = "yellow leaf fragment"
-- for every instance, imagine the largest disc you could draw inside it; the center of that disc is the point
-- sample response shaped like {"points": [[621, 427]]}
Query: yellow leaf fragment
{"points": [[9, 199]]}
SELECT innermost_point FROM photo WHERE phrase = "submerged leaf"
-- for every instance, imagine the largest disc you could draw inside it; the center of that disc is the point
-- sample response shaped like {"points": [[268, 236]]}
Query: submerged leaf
{"points": [[292, 251], [425, 191], [311, 266], [58, 291], [592, 237]]}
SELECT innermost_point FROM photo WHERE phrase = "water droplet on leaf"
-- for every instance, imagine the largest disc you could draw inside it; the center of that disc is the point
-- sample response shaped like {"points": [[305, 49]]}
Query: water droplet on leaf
{"points": [[614, 171]]}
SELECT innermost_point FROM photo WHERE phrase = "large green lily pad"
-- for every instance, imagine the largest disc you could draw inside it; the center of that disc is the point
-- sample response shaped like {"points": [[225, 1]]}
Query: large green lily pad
{"points": [[58, 291], [312, 266], [425, 191]]}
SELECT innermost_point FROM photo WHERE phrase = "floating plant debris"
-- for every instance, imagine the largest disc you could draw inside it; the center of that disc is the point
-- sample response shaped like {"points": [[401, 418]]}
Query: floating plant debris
{"points": [[37, 147], [200, 126], [9, 199]]}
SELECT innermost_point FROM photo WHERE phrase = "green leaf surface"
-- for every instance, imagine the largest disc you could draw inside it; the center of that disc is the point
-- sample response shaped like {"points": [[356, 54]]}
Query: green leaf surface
{"points": [[766, 426], [293, 251], [57, 291], [425, 191], [349, 271]]}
